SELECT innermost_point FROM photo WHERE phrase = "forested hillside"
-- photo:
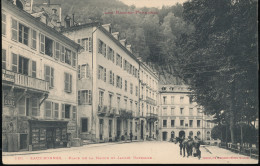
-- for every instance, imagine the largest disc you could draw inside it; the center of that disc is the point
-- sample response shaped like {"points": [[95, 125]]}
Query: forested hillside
{"points": [[152, 36]]}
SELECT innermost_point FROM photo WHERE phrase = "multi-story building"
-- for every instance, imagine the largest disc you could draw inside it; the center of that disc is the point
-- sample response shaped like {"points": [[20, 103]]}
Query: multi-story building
{"points": [[39, 71], [148, 85], [180, 116], [108, 84]]}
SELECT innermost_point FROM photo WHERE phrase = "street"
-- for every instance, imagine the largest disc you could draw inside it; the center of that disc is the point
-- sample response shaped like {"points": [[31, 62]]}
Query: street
{"points": [[129, 152]]}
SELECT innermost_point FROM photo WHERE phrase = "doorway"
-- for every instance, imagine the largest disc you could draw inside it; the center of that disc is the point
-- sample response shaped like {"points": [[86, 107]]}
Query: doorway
{"points": [[164, 136], [101, 129], [182, 134], [50, 138]]}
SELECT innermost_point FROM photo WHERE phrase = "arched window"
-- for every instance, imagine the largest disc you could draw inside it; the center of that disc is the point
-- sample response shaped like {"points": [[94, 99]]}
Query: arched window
{"points": [[19, 4], [191, 133], [172, 134], [208, 135]]}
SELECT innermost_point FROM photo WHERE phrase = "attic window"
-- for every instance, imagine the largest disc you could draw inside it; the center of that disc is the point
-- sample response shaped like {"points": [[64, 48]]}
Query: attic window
{"points": [[163, 88]]}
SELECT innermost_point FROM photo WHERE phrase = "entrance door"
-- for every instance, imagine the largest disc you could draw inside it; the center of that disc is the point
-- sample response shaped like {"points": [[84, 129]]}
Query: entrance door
{"points": [[118, 124], [110, 129], [164, 136], [101, 129], [182, 133], [50, 138]]}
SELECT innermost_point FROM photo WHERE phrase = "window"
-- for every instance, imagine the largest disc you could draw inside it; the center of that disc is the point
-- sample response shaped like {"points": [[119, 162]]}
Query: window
{"points": [[208, 135], [84, 125], [63, 111], [164, 99], [102, 73], [14, 62], [131, 105], [23, 65], [74, 112], [191, 111], [191, 123], [191, 134], [181, 122], [111, 78], [67, 111], [3, 58], [68, 82], [181, 111], [198, 123], [57, 52], [208, 124], [181, 99], [110, 100], [34, 39], [34, 69], [23, 34], [164, 123], [118, 82], [125, 103], [172, 111], [118, 60], [85, 97], [118, 103], [85, 44], [165, 111], [125, 85], [3, 24], [35, 109], [49, 45], [102, 48], [136, 90], [131, 88], [172, 123], [14, 30], [110, 54], [190, 100], [48, 110], [172, 99], [56, 110], [49, 75], [68, 56], [101, 98]]}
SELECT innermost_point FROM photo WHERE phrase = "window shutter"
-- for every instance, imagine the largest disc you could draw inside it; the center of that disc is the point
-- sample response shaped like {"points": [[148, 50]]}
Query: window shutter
{"points": [[78, 71], [14, 29], [52, 77], [14, 62], [62, 53], [90, 45], [66, 82], [105, 74], [34, 69], [79, 97], [63, 110], [42, 43], [70, 83]]}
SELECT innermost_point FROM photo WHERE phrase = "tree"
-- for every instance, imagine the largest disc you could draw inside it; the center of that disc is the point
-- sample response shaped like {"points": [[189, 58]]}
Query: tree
{"points": [[218, 60]]}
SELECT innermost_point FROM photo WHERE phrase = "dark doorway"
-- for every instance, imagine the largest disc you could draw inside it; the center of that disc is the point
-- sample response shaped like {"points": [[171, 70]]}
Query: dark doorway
{"points": [[84, 125], [50, 138], [164, 136], [142, 129], [118, 127], [101, 129], [23, 141], [181, 133]]}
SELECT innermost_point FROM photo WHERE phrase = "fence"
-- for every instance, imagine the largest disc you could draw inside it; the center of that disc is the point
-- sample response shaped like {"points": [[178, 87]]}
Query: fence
{"points": [[252, 152]]}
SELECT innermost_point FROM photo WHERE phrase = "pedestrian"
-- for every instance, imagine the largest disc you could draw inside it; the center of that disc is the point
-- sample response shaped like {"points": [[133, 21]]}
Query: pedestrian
{"points": [[197, 147], [131, 136]]}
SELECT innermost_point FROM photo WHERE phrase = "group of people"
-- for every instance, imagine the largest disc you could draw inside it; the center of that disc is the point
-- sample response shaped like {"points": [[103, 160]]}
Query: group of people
{"points": [[190, 145]]}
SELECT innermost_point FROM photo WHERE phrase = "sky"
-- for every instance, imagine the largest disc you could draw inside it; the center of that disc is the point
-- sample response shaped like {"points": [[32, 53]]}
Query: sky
{"points": [[152, 3]]}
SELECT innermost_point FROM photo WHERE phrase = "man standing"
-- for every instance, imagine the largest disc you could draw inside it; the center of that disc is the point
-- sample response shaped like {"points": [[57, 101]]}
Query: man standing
{"points": [[197, 147], [131, 136]]}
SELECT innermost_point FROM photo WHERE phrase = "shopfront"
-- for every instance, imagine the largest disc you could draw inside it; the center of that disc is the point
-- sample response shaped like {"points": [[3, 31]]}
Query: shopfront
{"points": [[48, 134]]}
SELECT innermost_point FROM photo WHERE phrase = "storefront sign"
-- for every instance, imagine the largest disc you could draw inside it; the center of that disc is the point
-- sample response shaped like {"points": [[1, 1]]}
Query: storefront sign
{"points": [[7, 76], [9, 101]]}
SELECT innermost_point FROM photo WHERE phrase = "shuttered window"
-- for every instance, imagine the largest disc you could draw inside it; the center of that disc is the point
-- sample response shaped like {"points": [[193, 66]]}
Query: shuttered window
{"points": [[14, 30], [42, 43], [57, 50], [35, 109], [74, 112], [49, 75], [74, 59], [3, 59], [68, 82], [62, 110], [48, 110], [56, 110]]}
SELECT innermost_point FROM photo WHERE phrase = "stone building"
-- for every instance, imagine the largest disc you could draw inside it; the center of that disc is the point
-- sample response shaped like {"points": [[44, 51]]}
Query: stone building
{"points": [[39, 71], [108, 84], [180, 116]]}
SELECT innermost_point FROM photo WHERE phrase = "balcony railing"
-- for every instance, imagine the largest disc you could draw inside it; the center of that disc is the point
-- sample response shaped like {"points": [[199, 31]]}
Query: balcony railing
{"points": [[150, 100], [102, 110], [27, 81], [151, 116]]}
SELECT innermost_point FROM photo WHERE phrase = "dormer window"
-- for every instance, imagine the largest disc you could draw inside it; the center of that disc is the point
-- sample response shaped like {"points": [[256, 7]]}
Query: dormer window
{"points": [[163, 88]]}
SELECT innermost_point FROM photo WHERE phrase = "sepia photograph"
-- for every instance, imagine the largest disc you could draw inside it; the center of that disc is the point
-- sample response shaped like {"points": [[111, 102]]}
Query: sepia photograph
{"points": [[130, 82]]}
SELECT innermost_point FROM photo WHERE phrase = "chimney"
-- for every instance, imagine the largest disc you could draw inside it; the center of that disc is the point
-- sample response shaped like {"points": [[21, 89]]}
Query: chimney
{"points": [[67, 21], [107, 27], [116, 35], [129, 47], [123, 42]]}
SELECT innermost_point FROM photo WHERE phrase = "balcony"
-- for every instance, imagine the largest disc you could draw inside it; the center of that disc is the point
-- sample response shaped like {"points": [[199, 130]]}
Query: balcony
{"points": [[150, 101], [151, 117], [102, 110], [25, 81], [111, 112], [136, 115], [125, 114]]}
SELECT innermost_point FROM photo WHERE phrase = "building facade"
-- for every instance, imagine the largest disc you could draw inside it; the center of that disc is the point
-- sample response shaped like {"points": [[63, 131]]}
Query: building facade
{"points": [[39, 71], [148, 84], [180, 116], [108, 84]]}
